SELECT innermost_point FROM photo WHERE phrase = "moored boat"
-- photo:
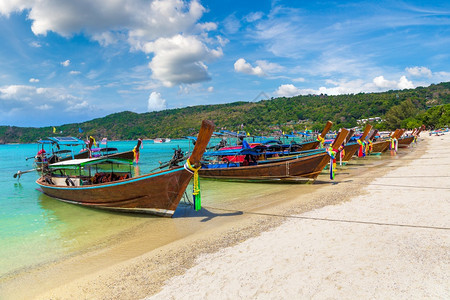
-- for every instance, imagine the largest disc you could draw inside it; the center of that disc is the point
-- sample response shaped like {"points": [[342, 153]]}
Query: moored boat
{"points": [[79, 182], [294, 168], [313, 144], [378, 145], [276, 147], [161, 140], [68, 148], [405, 141], [351, 148]]}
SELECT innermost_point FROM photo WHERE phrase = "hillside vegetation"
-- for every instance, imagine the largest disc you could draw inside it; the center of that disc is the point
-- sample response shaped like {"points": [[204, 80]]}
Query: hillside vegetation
{"points": [[402, 108]]}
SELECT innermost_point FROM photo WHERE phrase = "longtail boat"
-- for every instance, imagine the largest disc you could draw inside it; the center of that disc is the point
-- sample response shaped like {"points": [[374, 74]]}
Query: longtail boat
{"points": [[275, 147], [313, 144], [351, 148], [393, 139], [66, 148], [404, 142], [295, 168], [378, 146], [80, 182]]}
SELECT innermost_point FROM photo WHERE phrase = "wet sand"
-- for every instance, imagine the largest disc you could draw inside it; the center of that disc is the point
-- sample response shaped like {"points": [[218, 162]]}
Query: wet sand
{"points": [[115, 273]]}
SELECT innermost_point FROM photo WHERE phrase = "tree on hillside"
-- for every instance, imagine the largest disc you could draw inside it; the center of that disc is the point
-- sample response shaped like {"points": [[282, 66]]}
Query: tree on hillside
{"points": [[396, 116], [436, 117]]}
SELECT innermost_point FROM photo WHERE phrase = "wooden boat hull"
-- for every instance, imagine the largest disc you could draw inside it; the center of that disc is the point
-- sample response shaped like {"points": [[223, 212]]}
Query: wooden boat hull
{"points": [[158, 193], [307, 146], [307, 167], [380, 146], [350, 150], [405, 142]]}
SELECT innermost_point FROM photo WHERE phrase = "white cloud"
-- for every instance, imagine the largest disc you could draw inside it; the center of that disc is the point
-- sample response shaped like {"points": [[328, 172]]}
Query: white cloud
{"points": [[20, 95], [141, 18], [269, 67], [74, 72], [180, 60], [211, 89], [442, 76], [107, 21], [381, 82], [244, 67], [254, 16], [65, 63], [419, 71], [156, 102], [299, 79], [165, 27], [76, 106], [34, 80], [35, 44], [231, 24], [404, 83], [287, 90], [378, 84], [17, 92], [209, 26]]}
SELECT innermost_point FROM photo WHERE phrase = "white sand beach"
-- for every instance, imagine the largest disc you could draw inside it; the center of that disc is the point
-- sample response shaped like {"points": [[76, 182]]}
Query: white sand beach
{"points": [[390, 242]]}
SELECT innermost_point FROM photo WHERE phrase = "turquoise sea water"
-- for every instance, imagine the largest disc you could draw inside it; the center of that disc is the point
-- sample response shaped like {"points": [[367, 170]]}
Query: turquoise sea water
{"points": [[35, 228]]}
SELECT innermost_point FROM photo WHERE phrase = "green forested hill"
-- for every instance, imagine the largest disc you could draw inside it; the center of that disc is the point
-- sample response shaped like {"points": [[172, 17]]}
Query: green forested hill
{"points": [[259, 117]]}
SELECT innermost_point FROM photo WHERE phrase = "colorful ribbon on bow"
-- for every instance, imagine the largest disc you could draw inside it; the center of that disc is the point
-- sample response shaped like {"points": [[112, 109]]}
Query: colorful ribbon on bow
{"points": [[361, 151], [136, 155], [369, 147], [394, 144], [321, 140], [332, 153], [196, 195]]}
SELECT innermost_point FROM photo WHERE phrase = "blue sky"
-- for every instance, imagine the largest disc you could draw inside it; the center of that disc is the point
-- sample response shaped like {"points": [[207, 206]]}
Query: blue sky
{"points": [[71, 61]]}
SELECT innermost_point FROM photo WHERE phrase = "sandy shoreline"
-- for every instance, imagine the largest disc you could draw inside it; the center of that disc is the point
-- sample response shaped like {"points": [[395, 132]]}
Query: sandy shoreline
{"points": [[192, 256], [392, 242]]}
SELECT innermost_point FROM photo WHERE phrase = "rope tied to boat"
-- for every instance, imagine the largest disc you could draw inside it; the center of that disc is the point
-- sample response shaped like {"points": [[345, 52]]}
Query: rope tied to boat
{"points": [[332, 153], [341, 154], [196, 194]]}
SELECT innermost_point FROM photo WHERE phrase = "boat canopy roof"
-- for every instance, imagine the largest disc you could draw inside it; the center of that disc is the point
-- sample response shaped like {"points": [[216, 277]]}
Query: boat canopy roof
{"points": [[232, 152], [254, 151], [304, 133], [271, 142], [63, 140], [82, 162], [106, 149]]}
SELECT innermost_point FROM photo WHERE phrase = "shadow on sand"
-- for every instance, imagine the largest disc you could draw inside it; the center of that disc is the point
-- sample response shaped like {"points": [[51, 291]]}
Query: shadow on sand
{"points": [[187, 211]]}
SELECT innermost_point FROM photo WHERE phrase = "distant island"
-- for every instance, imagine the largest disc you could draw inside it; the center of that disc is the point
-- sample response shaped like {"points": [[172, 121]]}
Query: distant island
{"points": [[407, 108]]}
